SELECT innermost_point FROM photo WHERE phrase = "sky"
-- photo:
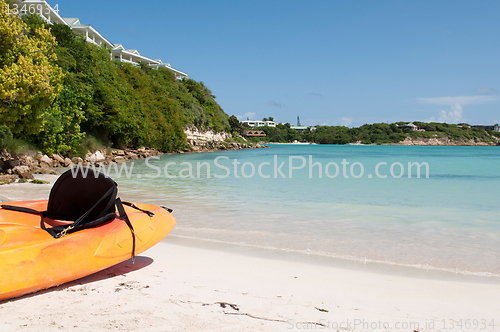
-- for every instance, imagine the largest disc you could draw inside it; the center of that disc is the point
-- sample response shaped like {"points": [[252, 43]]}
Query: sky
{"points": [[331, 62]]}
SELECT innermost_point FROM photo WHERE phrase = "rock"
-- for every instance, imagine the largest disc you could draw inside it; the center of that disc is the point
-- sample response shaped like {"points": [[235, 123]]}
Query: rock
{"points": [[8, 178], [47, 171], [118, 152], [20, 169], [76, 160], [95, 157], [67, 162], [46, 160], [11, 163], [57, 158], [24, 172], [119, 159], [30, 162], [131, 155]]}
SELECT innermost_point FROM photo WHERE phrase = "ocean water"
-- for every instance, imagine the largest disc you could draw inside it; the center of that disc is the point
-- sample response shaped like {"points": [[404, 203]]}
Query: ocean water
{"points": [[445, 218]]}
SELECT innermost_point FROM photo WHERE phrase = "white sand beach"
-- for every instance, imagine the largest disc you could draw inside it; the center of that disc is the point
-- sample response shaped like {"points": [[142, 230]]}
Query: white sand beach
{"points": [[191, 285]]}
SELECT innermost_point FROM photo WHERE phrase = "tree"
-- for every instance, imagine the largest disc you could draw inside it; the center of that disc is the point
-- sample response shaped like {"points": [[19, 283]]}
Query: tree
{"points": [[29, 77], [235, 124]]}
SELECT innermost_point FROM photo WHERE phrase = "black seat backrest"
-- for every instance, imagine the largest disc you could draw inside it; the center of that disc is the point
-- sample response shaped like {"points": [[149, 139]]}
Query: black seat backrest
{"points": [[75, 193]]}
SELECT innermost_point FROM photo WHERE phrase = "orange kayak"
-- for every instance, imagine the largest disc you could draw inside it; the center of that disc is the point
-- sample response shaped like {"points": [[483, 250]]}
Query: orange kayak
{"points": [[31, 259]]}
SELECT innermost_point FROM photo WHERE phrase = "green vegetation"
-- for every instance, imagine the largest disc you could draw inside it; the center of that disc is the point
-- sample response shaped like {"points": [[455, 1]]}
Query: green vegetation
{"points": [[235, 125], [37, 181], [377, 133], [85, 99], [29, 78], [383, 133], [9, 143], [237, 139]]}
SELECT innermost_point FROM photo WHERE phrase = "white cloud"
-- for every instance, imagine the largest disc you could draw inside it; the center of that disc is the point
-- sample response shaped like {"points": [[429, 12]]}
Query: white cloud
{"points": [[273, 103], [486, 91], [329, 122], [249, 115], [346, 121], [454, 115], [462, 100]]}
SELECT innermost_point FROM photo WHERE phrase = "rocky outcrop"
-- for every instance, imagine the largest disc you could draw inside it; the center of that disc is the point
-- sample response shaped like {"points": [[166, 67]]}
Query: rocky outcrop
{"points": [[6, 178], [119, 156], [200, 140], [14, 167], [193, 133], [95, 157], [442, 141], [208, 146], [24, 172]]}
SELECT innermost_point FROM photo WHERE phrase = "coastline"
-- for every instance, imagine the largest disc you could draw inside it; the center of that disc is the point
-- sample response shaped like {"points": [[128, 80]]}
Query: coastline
{"points": [[28, 191], [186, 284], [191, 285], [22, 167]]}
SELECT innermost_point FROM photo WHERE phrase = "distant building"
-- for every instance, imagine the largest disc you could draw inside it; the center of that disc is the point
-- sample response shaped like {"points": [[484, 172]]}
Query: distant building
{"points": [[255, 124], [300, 128], [91, 35], [411, 126], [255, 133], [495, 127]]}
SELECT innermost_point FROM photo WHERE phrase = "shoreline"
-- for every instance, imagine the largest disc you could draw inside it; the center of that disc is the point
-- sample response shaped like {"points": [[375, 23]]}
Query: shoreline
{"points": [[194, 284], [188, 285], [350, 262], [28, 191]]}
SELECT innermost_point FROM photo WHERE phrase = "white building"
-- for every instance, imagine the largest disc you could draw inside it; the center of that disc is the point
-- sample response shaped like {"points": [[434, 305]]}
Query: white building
{"points": [[495, 127], [299, 128], [134, 57], [88, 33], [411, 126], [91, 35], [254, 124]]}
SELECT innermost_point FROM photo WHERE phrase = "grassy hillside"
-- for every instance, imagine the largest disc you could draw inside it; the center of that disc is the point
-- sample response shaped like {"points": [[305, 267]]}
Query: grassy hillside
{"points": [[116, 103]]}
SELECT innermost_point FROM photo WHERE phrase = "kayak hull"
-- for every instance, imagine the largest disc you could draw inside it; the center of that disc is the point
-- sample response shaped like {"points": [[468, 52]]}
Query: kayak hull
{"points": [[31, 259]]}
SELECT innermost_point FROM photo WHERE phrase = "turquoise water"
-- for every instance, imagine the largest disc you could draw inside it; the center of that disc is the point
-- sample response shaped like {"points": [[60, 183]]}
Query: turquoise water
{"points": [[448, 220]]}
